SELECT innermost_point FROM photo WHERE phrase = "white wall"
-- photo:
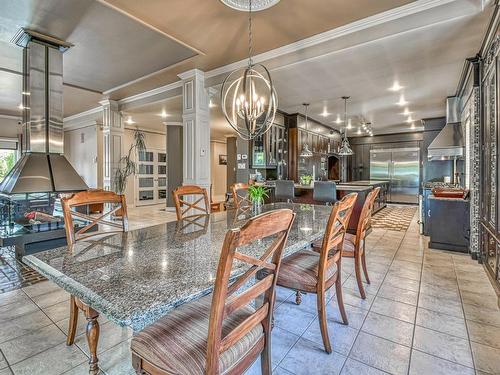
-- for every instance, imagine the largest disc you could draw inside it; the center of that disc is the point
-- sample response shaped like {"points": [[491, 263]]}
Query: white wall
{"points": [[81, 149], [9, 127], [154, 140], [218, 172]]}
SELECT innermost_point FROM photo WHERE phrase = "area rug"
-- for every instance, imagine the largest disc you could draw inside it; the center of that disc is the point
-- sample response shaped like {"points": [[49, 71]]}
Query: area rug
{"points": [[396, 218]]}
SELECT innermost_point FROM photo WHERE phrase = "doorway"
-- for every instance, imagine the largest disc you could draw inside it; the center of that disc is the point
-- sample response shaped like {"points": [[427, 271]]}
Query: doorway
{"points": [[151, 177]]}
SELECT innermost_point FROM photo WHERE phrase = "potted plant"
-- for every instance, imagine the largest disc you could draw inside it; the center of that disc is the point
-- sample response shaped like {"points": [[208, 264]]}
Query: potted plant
{"points": [[305, 179], [257, 193], [127, 166]]}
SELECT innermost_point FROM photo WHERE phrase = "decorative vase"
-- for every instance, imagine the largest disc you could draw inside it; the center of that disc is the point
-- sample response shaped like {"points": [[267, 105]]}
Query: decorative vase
{"points": [[257, 206]]}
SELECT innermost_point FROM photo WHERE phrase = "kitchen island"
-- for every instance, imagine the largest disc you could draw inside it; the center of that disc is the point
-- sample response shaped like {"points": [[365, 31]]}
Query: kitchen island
{"points": [[381, 200]]}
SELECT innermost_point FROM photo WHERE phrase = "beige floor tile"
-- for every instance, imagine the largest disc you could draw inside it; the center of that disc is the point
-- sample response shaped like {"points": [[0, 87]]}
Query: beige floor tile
{"points": [[13, 297], [353, 367], [41, 288], [23, 325], [444, 346], [422, 363], [491, 317], [381, 354], [441, 322], [479, 300], [117, 360], [16, 309], [32, 343], [486, 358], [62, 359], [484, 334], [399, 295], [440, 304], [401, 282], [393, 309], [388, 328], [51, 298]]}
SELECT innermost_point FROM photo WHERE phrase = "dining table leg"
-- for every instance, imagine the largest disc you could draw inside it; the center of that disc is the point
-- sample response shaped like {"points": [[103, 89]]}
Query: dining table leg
{"points": [[92, 333]]}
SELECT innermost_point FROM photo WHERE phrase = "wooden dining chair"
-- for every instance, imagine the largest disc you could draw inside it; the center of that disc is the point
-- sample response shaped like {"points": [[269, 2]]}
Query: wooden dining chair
{"points": [[184, 208], [115, 220], [221, 333], [240, 195], [311, 272], [354, 244]]}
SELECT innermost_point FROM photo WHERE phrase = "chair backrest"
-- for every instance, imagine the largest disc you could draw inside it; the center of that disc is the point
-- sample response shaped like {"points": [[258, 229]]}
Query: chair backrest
{"points": [[185, 208], [85, 198], [240, 195], [365, 216], [273, 226], [325, 191], [334, 234], [284, 189]]}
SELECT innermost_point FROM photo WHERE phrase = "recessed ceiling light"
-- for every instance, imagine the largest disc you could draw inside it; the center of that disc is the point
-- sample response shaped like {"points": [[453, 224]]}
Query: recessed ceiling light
{"points": [[325, 112], [20, 106], [349, 124], [359, 131], [164, 114], [338, 120], [211, 104], [402, 101], [409, 120], [396, 86], [406, 112], [412, 125], [129, 120]]}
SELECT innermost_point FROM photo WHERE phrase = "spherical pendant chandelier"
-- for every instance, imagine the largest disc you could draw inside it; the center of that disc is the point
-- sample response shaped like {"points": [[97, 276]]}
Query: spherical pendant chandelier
{"points": [[248, 98]]}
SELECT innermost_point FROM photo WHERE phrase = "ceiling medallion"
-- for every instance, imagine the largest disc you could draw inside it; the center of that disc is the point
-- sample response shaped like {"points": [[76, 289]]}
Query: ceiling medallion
{"points": [[345, 148], [248, 98], [244, 5]]}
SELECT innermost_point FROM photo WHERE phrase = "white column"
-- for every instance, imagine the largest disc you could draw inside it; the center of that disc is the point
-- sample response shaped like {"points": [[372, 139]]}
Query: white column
{"points": [[113, 133], [196, 129]]}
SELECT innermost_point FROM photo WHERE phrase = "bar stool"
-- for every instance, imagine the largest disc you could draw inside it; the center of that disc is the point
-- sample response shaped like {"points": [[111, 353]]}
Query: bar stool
{"points": [[284, 191], [325, 191]]}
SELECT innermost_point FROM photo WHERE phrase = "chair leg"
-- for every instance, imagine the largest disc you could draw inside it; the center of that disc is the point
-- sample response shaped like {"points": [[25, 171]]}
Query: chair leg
{"points": [[363, 262], [321, 301], [73, 321], [340, 300], [357, 268], [265, 356], [298, 297]]}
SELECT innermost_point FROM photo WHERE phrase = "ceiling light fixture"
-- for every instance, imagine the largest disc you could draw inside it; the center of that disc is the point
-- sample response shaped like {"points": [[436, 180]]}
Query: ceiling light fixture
{"points": [[349, 124], [412, 125], [244, 5], [409, 120], [345, 148], [163, 114], [396, 86], [324, 113], [359, 131], [402, 101], [129, 121], [248, 98], [338, 120], [306, 153], [406, 112]]}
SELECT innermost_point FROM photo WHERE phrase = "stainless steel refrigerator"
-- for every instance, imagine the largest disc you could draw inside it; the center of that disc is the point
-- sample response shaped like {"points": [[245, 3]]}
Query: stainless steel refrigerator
{"points": [[401, 167]]}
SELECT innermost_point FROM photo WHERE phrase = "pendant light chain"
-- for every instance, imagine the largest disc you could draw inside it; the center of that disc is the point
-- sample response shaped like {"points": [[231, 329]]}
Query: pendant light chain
{"points": [[250, 35]]}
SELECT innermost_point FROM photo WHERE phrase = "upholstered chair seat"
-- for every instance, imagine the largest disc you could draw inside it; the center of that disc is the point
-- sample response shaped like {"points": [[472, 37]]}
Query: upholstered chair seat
{"points": [[177, 343]]}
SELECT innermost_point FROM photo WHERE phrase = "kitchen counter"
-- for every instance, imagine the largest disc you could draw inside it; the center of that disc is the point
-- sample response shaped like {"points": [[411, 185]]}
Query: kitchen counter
{"points": [[365, 182]]}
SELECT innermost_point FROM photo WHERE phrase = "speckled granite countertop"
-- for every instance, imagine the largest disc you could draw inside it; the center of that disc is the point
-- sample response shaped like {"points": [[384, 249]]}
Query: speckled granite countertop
{"points": [[135, 278]]}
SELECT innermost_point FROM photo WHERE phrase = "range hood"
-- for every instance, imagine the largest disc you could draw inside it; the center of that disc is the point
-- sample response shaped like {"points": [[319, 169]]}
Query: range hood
{"points": [[42, 166], [449, 143]]}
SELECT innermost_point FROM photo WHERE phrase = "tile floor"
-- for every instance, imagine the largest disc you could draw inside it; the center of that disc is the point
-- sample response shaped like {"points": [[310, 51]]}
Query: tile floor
{"points": [[426, 312]]}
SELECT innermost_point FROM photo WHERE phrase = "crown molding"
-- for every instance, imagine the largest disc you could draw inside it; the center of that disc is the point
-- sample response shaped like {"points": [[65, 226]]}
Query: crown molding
{"points": [[80, 115], [191, 73], [150, 93], [353, 27]]}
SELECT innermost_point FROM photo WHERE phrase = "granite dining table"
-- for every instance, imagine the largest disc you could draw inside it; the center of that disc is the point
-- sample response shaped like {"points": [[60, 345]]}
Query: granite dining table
{"points": [[137, 277]]}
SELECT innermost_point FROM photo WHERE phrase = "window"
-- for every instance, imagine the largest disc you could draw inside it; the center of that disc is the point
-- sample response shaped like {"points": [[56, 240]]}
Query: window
{"points": [[7, 161]]}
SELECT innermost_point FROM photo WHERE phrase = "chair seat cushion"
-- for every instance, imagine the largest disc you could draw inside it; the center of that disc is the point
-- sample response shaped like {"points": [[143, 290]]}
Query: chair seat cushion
{"points": [[177, 343], [348, 248], [300, 271]]}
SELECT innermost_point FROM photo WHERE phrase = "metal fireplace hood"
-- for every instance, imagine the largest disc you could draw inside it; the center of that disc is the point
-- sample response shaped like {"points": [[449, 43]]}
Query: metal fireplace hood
{"points": [[42, 166], [449, 143]]}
